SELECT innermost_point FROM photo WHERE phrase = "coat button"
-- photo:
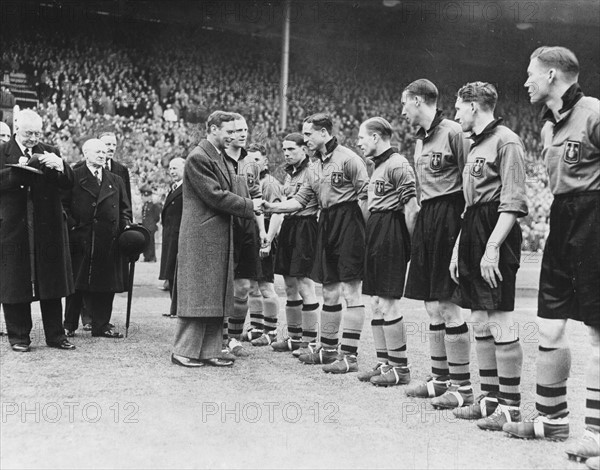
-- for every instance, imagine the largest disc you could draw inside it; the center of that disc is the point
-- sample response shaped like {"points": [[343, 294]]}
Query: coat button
{"points": [[93, 204]]}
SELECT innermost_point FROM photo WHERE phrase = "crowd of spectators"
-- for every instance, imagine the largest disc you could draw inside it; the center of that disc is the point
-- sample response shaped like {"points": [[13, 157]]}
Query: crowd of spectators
{"points": [[154, 88]]}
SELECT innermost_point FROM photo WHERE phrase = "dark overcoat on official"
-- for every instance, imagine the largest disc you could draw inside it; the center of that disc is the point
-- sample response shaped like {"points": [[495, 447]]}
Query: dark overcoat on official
{"points": [[52, 274], [205, 261], [96, 216], [118, 169], [171, 221]]}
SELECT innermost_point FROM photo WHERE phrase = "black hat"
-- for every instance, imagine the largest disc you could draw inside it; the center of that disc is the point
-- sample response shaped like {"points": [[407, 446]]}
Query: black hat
{"points": [[134, 240]]}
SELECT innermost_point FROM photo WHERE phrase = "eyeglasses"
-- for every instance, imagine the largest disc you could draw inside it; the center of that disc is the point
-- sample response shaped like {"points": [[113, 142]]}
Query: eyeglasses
{"points": [[33, 133]]}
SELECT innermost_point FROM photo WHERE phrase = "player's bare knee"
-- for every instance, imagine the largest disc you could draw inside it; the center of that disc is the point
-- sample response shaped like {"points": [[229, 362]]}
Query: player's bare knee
{"points": [[241, 288], [267, 290], [553, 333], [352, 293], [480, 323]]}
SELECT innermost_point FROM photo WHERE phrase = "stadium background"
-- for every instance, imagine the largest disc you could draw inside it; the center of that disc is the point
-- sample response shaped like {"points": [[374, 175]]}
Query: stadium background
{"points": [[119, 65]]}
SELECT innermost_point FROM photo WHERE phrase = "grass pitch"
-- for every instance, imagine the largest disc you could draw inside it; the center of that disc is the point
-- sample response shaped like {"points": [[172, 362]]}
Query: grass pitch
{"points": [[122, 404]]}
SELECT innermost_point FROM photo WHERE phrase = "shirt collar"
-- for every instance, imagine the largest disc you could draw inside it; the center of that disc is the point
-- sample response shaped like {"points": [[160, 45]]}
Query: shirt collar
{"points": [[478, 138], [291, 169], [422, 133], [379, 159], [569, 99], [92, 169], [329, 148], [22, 147]]}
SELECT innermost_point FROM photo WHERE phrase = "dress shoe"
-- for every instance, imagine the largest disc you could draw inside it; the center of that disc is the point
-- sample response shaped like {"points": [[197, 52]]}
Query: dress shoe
{"points": [[70, 333], [218, 362], [64, 344], [186, 361], [19, 347], [87, 327], [108, 334], [166, 314]]}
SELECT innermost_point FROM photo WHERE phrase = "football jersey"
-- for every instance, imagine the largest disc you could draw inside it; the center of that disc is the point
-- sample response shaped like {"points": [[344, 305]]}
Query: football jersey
{"points": [[338, 176], [293, 182], [392, 183], [495, 170], [571, 146], [440, 158], [247, 176]]}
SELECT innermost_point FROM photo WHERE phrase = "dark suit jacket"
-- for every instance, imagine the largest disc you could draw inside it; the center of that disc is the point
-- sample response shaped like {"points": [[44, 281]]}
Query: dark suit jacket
{"points": [[96, 217], [171, 220], [24, 196], [118, 169]]}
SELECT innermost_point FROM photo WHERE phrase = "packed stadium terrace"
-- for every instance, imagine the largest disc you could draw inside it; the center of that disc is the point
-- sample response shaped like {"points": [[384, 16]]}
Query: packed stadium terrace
{"points": [[155, 87]]}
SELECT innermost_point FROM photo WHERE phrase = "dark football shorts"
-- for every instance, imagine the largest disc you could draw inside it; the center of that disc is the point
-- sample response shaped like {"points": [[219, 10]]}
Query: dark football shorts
{"points": [[436, 230], [570, 275], [473, 292], [387, 254], [340, 250], [246, 249], [296, 246]]}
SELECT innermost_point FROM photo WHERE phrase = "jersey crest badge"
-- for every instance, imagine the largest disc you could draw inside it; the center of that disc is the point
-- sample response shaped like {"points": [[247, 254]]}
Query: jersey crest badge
{"points": [[337, 179], [435, 162], [250, 179], [572, 152], [379, 187], [477, 169]]}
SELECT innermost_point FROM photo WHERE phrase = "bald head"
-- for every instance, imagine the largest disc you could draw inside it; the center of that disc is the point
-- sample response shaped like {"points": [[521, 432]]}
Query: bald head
{"points": [[176, 169]]}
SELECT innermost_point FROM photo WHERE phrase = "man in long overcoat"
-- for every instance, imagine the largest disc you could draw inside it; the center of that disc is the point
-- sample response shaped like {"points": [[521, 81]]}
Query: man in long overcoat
{"points": [[171, 221], [97, 210], [205, 262], [35, 264]]}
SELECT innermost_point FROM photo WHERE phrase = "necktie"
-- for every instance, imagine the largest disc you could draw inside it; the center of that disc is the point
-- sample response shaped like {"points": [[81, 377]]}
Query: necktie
{"points": [[107, 166], [98, 177], [26, 157]]}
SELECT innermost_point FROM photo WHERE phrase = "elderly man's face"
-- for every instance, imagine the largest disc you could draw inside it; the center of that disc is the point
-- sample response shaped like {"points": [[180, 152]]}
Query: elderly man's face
{"points": [[95, 154], [29, 132]]}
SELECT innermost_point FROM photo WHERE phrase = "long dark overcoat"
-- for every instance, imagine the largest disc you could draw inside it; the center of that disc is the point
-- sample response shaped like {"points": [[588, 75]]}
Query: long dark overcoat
{"points": [[52, 276], [96, 217], [205, 261], [118, 169], [171, 221]]}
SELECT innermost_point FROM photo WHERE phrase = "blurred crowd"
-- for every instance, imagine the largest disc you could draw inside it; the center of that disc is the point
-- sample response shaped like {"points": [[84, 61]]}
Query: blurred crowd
{"points": [[155, 88]]}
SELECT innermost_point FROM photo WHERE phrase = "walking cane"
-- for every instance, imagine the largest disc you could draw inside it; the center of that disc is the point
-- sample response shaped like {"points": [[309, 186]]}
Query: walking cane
{"points": [[132, 241]]}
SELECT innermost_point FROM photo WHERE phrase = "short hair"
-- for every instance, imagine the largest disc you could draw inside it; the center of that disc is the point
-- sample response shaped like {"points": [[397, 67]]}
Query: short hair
{"points": [[379, 126], [479, 92], [424, 88], [320, 121], [217, 118], [557, 57], [107, 133], [238, 116], [295, 137], [257, 148]]}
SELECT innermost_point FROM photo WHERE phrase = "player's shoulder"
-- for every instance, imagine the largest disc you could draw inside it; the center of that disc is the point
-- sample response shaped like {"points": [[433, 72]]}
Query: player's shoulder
{"points": [[506, 136], [589, 104], [450, 126], [397, 159], [346, 152]]}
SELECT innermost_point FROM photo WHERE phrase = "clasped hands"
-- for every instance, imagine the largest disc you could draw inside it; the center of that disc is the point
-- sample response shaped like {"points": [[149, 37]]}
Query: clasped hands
{"points": [[261, 206]]}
